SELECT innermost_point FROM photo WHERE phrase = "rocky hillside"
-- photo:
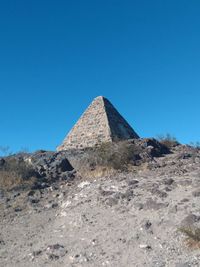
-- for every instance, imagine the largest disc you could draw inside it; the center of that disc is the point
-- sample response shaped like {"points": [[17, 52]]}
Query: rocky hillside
{"points": [[133, 203]]}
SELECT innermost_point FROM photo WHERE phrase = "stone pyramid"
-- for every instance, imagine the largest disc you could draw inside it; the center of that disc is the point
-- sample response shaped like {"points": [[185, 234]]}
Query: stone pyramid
{"points": [[100, 123]]}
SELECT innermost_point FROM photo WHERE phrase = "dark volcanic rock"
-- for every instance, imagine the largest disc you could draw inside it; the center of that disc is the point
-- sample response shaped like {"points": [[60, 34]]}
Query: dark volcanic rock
{"points": [[52, 165], [2, 162], [153, 147]]}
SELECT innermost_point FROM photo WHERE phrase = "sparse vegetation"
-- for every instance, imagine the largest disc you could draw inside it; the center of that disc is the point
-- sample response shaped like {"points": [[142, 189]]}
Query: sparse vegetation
{"points": [[193, 236], [112, 155], [195, 144], [106, 159], [5, 151], [117, 156], [15, 172], [168, 140]]}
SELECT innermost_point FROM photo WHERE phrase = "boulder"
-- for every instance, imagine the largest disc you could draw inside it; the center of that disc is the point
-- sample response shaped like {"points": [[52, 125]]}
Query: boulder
{"points": [[51, 165], [2, 162]]}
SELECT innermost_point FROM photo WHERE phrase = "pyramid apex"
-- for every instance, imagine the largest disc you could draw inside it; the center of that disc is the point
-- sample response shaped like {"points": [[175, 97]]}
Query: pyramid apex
{"points": [[100, 97]]}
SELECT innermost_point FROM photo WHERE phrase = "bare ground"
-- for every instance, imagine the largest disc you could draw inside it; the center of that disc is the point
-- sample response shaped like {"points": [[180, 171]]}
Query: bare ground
{"points": [[127, 219]]}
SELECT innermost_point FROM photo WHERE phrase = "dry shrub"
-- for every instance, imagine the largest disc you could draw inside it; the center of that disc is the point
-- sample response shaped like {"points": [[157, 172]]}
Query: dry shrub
{"points": [[16, 173], [10, 180], [195, 145], [193, 237], [114, 155], [106, 159], [168, 140], [98, 172]]}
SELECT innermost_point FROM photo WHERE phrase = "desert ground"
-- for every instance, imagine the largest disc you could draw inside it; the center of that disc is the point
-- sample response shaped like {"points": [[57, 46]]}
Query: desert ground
{"points": [[145, 216]]}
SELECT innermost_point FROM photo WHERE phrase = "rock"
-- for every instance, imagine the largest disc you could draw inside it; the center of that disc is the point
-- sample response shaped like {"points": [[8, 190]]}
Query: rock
{"points": [[17, 194], [190, 220], [183, 265], [152, 204], [111, 201], [174, 209], [185, 182], [147, 225], [2, 162], [185, 200], [63, 165], [52, 165], [196, 193], [36, 253], [67, 176], [105, 192], [168, 181], [31, 193], [2, 243], [168, 189], [51, 205], [53, 257], [133, 183], [17, 209], [184, 155], [128, 195], [158, 263], [83, 184], [34, 200], [54, 205], [158, 193], [34, 196], [38, 185], [79, 258], [145, 246], [54, 252], [2, 194], [155, 148]]}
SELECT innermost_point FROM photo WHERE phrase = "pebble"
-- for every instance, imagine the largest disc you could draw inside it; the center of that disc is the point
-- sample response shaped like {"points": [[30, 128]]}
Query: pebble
{"points": [[145, 246]]}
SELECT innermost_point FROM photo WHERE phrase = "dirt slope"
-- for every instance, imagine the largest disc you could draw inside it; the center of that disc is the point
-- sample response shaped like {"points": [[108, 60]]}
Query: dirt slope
{"points": [[127, 219]]}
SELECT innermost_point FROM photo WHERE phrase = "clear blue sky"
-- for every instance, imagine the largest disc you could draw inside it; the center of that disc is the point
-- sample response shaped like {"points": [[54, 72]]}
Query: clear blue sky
{"points": [[56, 56]]}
